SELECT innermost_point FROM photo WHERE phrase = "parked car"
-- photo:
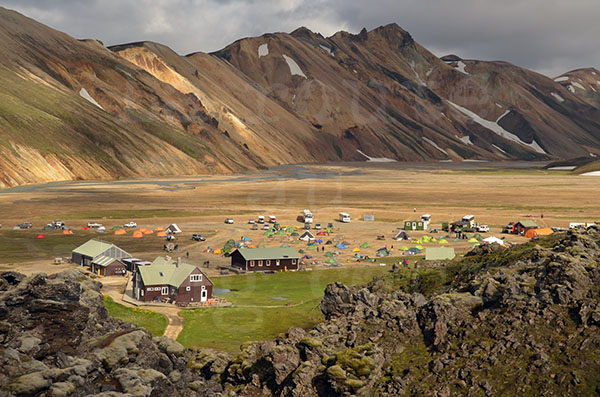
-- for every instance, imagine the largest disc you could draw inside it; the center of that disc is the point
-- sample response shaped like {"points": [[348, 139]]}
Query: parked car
{"points": [[229, 220], [307, 226], [330, 226], [130, 224], [93, 224], [261, 219], [484, 228], [198, 237], [266, 227], [251, 221], [25, 225], [101, 229], [318, 226], [254, 227]]}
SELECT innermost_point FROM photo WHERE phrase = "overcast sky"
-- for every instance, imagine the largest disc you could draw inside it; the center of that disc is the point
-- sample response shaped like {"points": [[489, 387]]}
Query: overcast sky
{"points": [[550, 36]]}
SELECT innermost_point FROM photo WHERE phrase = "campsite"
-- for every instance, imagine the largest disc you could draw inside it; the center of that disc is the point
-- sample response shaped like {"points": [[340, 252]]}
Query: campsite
{"points": [[337, 253]]}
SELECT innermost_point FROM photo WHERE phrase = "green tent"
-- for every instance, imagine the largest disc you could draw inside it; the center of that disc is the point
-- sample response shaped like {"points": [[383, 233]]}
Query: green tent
{"points": [[433, 240], [331, 261], [443, 241], [328, 230], [268, 233], [294, 234], [426, 239], [289, 230], [473, 240], [300, 251], [420, 247], [311, 248], [329, 254], [365, 245], [230, 244], [475, 245], [117, 227], [404, 248], [280, 233]]}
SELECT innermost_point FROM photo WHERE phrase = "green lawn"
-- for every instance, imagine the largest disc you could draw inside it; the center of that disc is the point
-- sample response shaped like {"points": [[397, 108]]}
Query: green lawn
{"points": [[228, 328], [152, 321]]}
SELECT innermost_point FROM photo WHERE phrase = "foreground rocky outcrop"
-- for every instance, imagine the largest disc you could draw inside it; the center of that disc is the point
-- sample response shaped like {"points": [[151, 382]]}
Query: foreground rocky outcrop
{"points": [[522, 321]]}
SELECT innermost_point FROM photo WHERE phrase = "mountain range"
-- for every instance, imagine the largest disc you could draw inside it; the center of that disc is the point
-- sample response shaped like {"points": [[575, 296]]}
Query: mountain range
{"points": [[76, 109]]}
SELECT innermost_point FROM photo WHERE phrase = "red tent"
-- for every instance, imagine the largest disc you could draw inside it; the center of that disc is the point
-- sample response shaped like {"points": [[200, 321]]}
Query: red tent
{"points": [[40, 236], [84, 228]]}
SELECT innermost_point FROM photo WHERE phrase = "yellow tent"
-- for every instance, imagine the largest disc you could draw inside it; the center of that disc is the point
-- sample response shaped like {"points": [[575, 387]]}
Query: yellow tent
{"points": [[356, 250], [67, 232], [217, 252]]}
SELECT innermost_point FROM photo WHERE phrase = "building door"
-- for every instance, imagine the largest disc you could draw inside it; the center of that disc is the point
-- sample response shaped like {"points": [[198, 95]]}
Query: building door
{"points": [[204, 294], [164, 291], [414, 226], [277, 263]]}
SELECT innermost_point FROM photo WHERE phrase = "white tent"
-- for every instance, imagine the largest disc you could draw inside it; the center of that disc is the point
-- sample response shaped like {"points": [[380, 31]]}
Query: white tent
{"points": [[493, 240], [174, 229], [306, 236]]}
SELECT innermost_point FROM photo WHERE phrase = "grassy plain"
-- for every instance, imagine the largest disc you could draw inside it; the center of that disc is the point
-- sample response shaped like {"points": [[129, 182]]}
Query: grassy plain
{"points": [[155, 323]]}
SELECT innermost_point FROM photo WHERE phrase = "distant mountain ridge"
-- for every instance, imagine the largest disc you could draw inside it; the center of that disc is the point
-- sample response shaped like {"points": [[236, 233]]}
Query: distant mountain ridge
{"points": [[74, 109]]}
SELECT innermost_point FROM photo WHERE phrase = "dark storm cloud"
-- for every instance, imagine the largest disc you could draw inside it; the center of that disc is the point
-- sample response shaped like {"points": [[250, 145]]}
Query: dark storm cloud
{"points": [[549, 36]]}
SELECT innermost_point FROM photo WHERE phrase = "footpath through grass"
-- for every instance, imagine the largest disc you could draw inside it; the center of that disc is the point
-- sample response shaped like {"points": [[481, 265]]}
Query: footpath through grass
{"points": [[266, 305], [154, 322]]}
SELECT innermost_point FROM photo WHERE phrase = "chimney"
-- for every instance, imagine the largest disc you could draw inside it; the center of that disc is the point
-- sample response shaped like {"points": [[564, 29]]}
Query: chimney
{"points": [[178, 261]]}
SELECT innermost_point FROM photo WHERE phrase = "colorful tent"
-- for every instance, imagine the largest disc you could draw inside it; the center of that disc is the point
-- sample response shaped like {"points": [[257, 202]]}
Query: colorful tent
{"points": [[67, 231], [246, 239], [319, 241], [420, 247], [340, 246], [117, 227], [311, 248], [493, 240], [289, 230], [329, 254], [161, 234], [328, 242], [365, 245], [321, 234], [538, 232], [443, 241], [85, 228], [280, 232], [331, 261], [120, 232], [138, 234], [218, 251], [415, 250], [40, 236], [147, 231], [159, 229], [383, 252], [294, 234], [356, 250], [473, 240], [268, 233], [404, 248]]}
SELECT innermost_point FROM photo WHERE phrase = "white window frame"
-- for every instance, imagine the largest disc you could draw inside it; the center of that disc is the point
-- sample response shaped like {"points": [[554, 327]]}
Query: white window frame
{"points": [[260, 263], [293, 261], [251, 263], [268, 262], [163, 289], [195, 278]]}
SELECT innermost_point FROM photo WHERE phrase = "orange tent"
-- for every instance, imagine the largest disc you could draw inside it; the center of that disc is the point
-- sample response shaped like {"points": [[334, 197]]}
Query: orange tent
{"points": [[538, 232], [138, 234], [159, 229], [147, 231], [161, 234], [67, 231], [120, 232]]}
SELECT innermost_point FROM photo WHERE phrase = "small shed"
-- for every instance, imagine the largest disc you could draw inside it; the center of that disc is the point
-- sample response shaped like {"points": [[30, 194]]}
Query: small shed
{"points": [[414, 225], [522, 227], [439, 253], [94, 248]]}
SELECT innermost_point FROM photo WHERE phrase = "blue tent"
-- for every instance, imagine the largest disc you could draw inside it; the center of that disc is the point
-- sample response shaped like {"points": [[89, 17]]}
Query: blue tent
{"points": [[319, 241], [312, 243], [341, 246], [247, 239], [415, 250]]}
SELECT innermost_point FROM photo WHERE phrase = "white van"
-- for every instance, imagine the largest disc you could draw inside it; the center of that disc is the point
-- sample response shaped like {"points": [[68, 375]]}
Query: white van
{"points": [[344, 217], [272, 219], [307, 216], [261, 219]]}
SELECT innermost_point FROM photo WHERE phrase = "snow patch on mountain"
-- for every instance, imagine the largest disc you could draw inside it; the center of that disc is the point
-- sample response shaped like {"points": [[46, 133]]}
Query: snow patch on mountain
{"points": [[571, 88], [557, 97], [576, 84], [263, 50], [498, 130], [498, 148], [429, 71], [327, 49], [562, 78], [419, 80], [460, 66], [464, 139], [593, 173], [503, 115], [432, 143], [376, 159], [85, 95], [294, 68]]}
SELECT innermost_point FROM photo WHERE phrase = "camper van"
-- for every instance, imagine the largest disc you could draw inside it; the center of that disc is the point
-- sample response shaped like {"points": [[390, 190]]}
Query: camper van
{"points": [[344, 217], [272, 219], [425, 218], [307, 216], [261, 219]]}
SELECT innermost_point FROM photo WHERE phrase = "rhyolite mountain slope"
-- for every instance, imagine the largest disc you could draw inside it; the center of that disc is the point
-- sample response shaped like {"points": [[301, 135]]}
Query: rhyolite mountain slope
{"points": [[518, 321], [583, 83], [74, 109]]}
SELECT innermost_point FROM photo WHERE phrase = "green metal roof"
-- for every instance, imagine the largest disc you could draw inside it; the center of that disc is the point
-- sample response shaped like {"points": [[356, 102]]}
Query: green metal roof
{"points": [[251, 254], [93, 248], [528, 223], [439, 253], [163, 271], [103, 260]]}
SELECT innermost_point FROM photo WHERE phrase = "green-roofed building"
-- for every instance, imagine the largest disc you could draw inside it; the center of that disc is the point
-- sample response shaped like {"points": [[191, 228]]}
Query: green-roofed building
{"points": [[88, 252], [439, 253], [171, 280], [107, 266], [265, 259], [522, 227]]}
